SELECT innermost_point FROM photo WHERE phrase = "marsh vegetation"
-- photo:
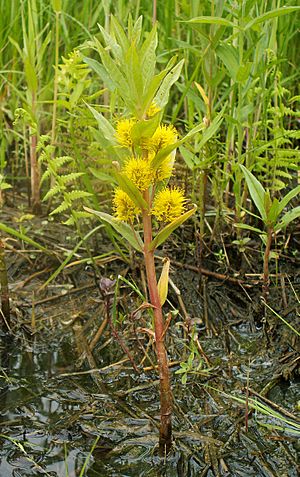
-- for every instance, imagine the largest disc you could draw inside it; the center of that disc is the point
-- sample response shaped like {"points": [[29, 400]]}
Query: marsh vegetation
{"points": [[149, 252]]}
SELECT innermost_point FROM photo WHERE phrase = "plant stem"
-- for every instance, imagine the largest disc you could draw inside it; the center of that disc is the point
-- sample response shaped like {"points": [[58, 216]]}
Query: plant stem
{"points": [[165, 432], [35, 173], [55, 88], [5, 308], [266, 263]]}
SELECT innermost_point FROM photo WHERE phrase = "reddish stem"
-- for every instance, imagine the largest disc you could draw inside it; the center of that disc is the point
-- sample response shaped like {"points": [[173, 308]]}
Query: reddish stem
{"points": [[165, 434], [266, 263]]}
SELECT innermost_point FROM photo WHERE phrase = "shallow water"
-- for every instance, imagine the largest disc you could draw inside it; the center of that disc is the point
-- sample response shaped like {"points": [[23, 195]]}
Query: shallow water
{"points": [[51, 418], [57, 405]]}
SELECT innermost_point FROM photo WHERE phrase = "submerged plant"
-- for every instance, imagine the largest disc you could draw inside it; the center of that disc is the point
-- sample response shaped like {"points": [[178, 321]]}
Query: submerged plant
{"points": [[143, 201]]}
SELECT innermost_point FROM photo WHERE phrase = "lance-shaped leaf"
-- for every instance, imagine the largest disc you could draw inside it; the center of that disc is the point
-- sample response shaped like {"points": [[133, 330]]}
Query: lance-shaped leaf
{"points": [[229, 56], [148, 57], [24, 237], [249, 227], [105, 127], [211, 130], [212, 20], [162, 236], [289, 196], [257, 192], [273, 212], [287, 218], [145, 128], [100, 71], [162, 95], [131, 190], [277, 12], [121, 227], [163, 281]]}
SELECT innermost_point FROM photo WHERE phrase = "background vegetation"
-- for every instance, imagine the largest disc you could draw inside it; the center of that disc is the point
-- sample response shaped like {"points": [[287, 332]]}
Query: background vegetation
{"points": [[233, 73]]}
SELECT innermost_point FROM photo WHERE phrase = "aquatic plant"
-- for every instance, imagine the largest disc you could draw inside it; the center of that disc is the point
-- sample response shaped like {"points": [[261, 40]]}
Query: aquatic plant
{"points": [[143, 201], [5, 305], [270, 211]]}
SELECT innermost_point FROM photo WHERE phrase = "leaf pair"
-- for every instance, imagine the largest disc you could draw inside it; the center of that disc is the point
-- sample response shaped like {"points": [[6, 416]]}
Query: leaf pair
{"points": [[133, 237], [270, 210]]}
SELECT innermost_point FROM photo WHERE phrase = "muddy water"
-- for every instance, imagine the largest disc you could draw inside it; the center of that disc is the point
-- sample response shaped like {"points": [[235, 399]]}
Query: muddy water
{"points": [[52, 414], [69, 413]]}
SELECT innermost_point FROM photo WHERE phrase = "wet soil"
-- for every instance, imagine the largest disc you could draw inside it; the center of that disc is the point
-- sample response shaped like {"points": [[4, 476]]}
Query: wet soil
{"points": [[72, 403]]}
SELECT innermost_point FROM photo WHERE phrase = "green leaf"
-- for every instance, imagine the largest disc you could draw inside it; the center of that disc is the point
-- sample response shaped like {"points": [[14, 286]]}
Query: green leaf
{"points": [[144, 128], [277, 12], [73, 176], [119, 33], [243, 72], [208, 133], [111, 43], [288, 197], [273, 212], [152, 88], [162, 236], [249, 227], [31, 76], [131, 190], [121, 227], [76, 194], [61, 208], [162, 95], [257, 192], [287, 218], [52, 192], [229, 56], [134, 78], [105, 127], [114, 72], [23, 237], [102, 176], [188, 156], [212, 20], [148, 57], [211, 130], [101, 72]]}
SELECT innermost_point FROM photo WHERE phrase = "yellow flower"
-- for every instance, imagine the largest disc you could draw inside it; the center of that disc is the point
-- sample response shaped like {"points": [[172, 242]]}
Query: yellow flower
{"points": [[163, 136], [138, 170], [169, 204], [123, 132], [153, 109], [164, 171], [125, 209]]}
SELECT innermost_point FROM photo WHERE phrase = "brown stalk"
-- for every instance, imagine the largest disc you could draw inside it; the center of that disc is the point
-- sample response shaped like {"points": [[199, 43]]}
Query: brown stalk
{"points": [[5, 307], [266, 276], [165, 432]]}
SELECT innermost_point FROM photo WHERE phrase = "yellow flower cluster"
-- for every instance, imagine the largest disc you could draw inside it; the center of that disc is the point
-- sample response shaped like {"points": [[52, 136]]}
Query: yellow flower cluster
{"points": [[153, 109], [125, 209], [123, 132], [139, 171], [169, 204], [163, 136]]}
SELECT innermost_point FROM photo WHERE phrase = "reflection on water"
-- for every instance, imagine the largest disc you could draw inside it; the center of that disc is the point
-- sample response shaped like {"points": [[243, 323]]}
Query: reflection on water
{"points": [[50, 421]]}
